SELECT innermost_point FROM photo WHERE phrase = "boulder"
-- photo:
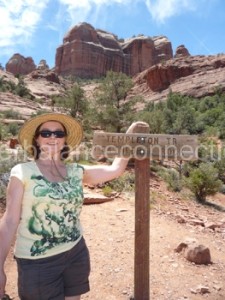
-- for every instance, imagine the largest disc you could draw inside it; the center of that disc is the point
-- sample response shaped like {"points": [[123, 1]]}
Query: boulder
{"points": [[95, 198], [194, 252], [198, 254]]}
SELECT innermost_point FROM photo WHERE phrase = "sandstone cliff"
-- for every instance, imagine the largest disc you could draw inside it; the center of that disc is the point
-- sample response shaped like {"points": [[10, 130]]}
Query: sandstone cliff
{"points": [[19, 64], [196, 76], [87, 52]]}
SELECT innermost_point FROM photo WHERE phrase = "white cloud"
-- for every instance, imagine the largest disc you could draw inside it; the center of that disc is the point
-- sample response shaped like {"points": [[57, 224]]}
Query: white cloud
{"points": [[161, 10], [19, 19], [80, 10]]}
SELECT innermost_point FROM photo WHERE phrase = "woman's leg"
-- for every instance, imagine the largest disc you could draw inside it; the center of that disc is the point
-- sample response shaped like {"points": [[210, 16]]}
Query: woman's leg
{"points": [[77, 271], [40, 279]]}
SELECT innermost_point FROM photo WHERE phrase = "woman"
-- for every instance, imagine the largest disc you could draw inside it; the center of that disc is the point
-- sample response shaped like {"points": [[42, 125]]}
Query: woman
{"points": [[44, 201]]}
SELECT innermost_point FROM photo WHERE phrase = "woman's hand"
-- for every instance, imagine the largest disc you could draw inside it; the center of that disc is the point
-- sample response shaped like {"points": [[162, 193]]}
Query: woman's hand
{"points": [[134, 125], [102, 173]]}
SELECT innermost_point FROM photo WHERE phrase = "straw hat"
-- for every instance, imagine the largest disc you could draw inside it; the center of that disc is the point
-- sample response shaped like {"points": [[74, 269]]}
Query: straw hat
{"points": [[73, 129]]}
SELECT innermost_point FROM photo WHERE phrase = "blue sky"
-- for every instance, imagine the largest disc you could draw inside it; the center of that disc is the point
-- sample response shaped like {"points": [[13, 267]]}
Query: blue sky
{"points": [[36, 27]]}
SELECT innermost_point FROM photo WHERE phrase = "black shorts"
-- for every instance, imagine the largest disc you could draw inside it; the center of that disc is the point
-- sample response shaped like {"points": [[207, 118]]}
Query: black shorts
{"points": [[55, 277]]}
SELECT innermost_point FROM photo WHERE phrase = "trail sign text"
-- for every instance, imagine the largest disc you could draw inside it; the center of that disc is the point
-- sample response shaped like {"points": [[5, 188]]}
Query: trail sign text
{"points": [[153, 146]]}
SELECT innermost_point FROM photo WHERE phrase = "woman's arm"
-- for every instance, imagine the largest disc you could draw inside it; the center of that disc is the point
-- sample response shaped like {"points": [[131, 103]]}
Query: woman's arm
{"points": [[102, 173], [9, 224]]}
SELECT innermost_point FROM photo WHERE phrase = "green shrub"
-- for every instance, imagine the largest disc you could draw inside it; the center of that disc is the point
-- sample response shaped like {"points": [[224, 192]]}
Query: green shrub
{"points": [[13, 129], [21, 90], [107, 191], [6, 86], [172, 178], [2, 192], [174, 181], [203, 181], [11, 114], [7, 161], [1, 132], [222, 189], [123, 183]]}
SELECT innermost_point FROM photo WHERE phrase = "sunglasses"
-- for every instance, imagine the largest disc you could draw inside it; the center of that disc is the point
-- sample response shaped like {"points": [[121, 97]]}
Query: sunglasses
{"points": [[47, 133]]}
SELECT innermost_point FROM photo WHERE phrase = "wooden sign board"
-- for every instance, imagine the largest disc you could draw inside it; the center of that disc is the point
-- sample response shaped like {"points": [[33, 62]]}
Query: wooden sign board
{"points": [[141, 146]]}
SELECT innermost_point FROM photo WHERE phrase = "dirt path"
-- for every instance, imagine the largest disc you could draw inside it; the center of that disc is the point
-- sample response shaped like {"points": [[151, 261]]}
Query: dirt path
{"points": [[172, 277], [109, 233]]}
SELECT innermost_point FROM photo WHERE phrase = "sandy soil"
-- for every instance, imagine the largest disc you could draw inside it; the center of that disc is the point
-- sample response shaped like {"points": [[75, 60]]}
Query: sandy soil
{"points": [[109, 233]]}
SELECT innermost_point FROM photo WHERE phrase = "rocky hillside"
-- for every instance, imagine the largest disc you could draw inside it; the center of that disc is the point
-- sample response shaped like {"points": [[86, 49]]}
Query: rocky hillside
{"points": [[42, 84], [196, 76], [89, 52]]}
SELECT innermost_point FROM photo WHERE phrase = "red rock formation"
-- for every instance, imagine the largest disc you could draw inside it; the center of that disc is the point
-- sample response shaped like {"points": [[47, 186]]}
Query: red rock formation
{"points": [[140, 54], [196, 76], [45, 74], [181, 51], [18, 64], [160, 76], [163, 49], [90, 53], [43, 65]]}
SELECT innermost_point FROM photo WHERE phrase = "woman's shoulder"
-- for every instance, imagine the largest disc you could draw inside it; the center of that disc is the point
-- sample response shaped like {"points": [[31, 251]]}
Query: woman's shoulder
{"points": [[21, 170], [24, 165]]}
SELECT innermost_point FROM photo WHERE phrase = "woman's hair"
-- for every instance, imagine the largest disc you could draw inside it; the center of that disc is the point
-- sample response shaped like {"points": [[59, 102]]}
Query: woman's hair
{"points": [[64, 153]]}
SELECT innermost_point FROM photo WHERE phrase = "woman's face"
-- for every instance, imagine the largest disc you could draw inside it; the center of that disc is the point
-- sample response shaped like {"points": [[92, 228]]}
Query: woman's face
{"points": [[51, 138]]}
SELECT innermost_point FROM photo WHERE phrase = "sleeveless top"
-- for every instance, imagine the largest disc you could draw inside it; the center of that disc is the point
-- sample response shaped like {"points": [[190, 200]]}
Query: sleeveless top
{"points": [[49, 222]]}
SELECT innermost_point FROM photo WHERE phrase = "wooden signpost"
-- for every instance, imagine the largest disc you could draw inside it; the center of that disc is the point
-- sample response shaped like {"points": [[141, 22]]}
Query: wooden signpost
{"points": [[143, 147]]}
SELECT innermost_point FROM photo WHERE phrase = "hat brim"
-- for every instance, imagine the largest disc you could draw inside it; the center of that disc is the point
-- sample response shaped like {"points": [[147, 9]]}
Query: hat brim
{"points": [[73, 129]]}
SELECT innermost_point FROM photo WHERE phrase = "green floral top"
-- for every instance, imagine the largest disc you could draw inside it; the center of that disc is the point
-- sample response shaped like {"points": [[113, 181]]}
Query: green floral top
{"points": [[50, 214]]}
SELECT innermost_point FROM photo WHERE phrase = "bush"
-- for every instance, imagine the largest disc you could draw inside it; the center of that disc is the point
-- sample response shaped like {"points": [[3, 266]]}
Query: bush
{"points": [[107, 191], [172, 178], [7, 161], [174, 181], [203, 181], [12, 114], [13, 129], [222, 189], [123, 183], [2, 193]]}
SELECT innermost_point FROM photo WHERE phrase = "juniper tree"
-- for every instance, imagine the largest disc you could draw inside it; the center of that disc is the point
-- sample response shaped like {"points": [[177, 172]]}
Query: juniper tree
{"points": [[113, 108]]}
